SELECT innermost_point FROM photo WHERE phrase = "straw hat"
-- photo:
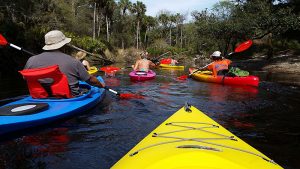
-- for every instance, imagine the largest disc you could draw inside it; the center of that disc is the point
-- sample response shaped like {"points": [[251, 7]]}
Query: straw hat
{"points": [[80, 55], [55, 39]]}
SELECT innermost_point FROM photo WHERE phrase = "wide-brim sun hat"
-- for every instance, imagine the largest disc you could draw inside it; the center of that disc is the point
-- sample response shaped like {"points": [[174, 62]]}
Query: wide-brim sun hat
{"points": [[216, 54], [55, 39]]}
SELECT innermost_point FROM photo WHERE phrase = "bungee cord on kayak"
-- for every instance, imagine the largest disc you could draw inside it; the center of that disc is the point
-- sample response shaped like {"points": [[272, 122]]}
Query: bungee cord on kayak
{"points": [[199, 133], [176, 139]]}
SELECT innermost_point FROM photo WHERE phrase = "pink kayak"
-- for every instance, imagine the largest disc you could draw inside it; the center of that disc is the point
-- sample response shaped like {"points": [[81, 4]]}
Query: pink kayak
{"points": [[142, 76]]}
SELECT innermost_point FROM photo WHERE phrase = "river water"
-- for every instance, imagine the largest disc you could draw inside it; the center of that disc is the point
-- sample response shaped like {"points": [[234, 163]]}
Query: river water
{"points": [[266, 117]]}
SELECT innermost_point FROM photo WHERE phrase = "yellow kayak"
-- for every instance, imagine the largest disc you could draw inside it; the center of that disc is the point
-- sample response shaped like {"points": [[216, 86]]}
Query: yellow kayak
{"points": [[93, 70], [166, 66], [191, 140]]}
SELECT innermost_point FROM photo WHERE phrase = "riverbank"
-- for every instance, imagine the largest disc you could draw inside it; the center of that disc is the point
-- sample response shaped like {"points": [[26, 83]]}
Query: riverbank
{"points": [[285, 63]]}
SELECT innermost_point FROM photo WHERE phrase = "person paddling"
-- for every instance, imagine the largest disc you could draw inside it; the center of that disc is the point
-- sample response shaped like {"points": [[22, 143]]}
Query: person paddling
{"points": [[55, 42], [220, 65], [81, 57], [143, 64]]}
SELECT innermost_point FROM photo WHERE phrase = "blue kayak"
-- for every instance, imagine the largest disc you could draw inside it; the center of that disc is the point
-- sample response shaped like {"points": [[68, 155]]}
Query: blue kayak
{"points": [[29, 112]]}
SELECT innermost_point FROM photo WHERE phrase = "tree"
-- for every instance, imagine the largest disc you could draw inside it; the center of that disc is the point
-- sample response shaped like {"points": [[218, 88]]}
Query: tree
{"points": [[149, 22], [124, 6], [139, 9]]}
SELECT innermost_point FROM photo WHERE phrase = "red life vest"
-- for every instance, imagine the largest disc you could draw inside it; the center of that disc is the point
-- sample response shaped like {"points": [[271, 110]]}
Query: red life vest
{"points": [[59, 87]]}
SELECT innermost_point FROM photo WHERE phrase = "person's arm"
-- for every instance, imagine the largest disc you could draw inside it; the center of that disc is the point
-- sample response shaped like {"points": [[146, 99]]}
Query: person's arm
{"points": [[85, 76], [136, 65], [152, 64], [95, 82], [87, 64]]}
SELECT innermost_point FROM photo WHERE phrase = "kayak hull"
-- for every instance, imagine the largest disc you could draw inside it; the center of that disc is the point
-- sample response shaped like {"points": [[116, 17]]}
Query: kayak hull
{"points": [[135, 76], [243, 81], [93, 69], [167, 66], [57, 109], [190, 139]]}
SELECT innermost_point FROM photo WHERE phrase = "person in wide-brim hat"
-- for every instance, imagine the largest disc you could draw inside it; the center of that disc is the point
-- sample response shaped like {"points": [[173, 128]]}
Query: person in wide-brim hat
{"points": [[73, 69], [55, 39]]}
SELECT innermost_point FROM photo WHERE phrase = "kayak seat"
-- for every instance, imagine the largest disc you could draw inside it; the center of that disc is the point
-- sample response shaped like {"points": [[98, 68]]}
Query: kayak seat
{"points": [[59, 87], [141, 73], [23, 109]]}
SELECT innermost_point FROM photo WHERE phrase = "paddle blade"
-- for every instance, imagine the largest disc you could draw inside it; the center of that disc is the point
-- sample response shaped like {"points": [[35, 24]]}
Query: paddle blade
{"points": [[130, 96], [109, 69], [243, 46], [183, 77], [3, 41]]}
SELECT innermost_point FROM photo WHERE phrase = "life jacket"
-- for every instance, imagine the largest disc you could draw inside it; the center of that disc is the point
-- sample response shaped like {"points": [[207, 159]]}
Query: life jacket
{"points": [[219, 65], [59, 87]]}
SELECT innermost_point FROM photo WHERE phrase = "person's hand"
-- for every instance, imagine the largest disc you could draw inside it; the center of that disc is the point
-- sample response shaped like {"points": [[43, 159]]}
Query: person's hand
{"points": [[103, 84]]}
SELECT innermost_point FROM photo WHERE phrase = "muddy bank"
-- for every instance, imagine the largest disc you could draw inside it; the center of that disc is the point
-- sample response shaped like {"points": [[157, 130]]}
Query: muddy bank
{"points": [[284, 67]]}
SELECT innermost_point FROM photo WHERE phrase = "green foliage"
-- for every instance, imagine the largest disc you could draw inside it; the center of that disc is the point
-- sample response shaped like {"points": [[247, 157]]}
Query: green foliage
{"points": [[161, 47], [227, 24], [123, 24], [87, 43]]}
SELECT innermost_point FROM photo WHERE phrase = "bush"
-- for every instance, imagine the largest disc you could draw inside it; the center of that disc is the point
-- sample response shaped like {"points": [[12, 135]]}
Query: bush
{"points": [[87, 43]]}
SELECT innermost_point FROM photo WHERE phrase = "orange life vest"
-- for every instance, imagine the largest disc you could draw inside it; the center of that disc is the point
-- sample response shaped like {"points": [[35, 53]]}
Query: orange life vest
{"points": [[219, 65], [59, 87]]}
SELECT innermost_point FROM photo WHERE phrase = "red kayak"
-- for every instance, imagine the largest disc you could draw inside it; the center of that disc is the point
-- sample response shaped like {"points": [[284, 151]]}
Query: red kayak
{"points": [[206, 76], [142, 76]]}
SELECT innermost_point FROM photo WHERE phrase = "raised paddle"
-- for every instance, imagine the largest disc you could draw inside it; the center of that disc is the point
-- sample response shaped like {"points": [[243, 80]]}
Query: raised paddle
{"points": [[242, 47], [3, 42]]}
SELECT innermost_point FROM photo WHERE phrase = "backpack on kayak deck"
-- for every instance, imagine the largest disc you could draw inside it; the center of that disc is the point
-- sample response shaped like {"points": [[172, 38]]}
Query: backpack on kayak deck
{"points": [[238, 72]]}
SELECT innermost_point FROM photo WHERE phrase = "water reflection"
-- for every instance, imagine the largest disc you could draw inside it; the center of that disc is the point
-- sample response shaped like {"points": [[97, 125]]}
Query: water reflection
{"points": [[49, 143], [266, 117]]}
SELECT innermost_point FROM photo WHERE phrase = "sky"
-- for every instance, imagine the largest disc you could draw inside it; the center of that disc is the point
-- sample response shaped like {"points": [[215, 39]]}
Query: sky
{"points": [[174, 6]]}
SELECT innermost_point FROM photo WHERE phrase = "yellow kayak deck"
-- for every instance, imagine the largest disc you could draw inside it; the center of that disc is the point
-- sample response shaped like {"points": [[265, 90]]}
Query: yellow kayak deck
{"points": [[192, 140], [93, 69], [166, 66]]}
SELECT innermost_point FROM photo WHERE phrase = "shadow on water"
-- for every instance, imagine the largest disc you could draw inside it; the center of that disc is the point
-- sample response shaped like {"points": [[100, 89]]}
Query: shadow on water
{"points": [[266, 117]]}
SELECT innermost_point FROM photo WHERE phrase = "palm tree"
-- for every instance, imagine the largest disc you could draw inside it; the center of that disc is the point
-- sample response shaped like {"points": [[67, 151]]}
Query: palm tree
{"points": [[139, 9], [163, 19], [149, 21], [123, 5]]}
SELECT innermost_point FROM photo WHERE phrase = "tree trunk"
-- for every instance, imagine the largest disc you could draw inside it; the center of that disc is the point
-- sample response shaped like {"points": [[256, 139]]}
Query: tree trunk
{"points": [[170, 36], [94, 22], [99, 25], [137, 34], [107, 28], [145, 40], [122, 43], [181, 36]]}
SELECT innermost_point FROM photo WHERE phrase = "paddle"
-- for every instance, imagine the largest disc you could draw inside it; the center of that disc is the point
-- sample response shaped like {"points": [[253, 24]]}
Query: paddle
{"points": [[3, 42], [156, 59], [242, 47], [125, 95]]}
